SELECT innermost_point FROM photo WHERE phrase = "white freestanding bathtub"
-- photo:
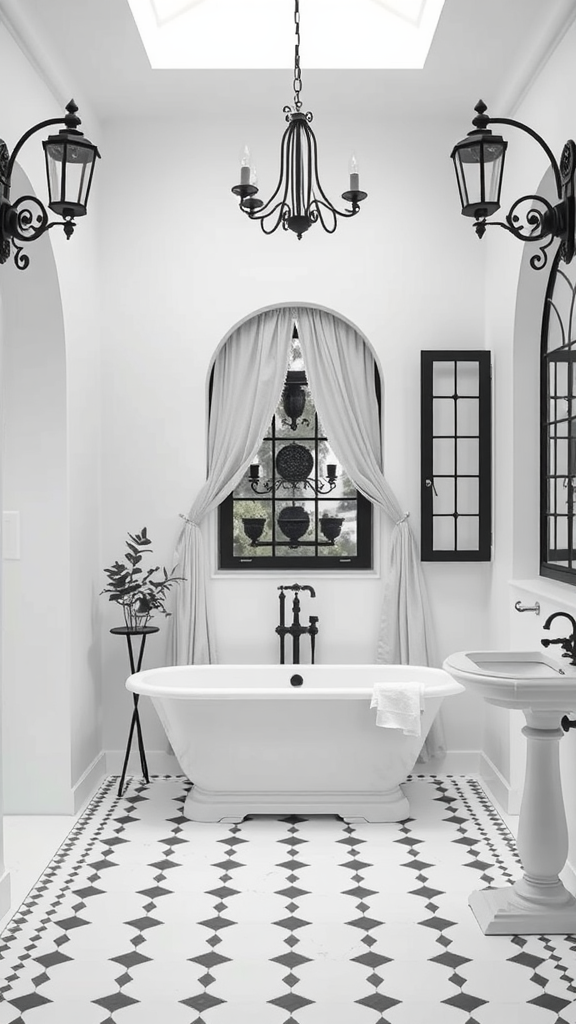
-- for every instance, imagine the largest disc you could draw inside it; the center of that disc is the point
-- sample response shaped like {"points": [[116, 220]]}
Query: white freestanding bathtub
{"points": [[252, 742]]}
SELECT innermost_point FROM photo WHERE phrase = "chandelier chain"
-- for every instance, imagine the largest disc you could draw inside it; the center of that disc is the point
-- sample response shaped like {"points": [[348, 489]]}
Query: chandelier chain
{"points": [[297, 71]]}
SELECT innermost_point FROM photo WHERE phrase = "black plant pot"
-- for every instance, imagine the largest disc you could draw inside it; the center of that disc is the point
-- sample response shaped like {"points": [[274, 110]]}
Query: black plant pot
{"points": [[331, 527], [294, 522], [253, 528]]}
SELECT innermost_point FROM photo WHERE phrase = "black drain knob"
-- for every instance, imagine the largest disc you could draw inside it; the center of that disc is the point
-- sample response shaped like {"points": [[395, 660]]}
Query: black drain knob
{"points": [[296, 680]]}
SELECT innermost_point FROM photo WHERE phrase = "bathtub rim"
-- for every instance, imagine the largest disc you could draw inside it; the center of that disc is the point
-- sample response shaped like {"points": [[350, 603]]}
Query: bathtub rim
{"points": [[439, 684]]}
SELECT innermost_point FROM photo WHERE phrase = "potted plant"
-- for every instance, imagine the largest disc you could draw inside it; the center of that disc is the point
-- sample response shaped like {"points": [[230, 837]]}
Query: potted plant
{"points": [[137, 590]]}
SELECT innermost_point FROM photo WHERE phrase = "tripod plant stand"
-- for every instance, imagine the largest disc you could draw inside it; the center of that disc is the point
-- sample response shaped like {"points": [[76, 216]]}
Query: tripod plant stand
{"points": [[135, 723]]}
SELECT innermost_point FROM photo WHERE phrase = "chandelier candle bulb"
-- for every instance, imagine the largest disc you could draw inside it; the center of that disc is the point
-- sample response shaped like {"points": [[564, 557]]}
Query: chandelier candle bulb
{"points": [[245, 169], [255, 471], [331, 468], [354, 175]]}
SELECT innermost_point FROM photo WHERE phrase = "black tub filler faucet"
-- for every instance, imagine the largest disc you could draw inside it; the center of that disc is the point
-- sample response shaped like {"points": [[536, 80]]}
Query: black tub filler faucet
{"points": [[296, 629]]}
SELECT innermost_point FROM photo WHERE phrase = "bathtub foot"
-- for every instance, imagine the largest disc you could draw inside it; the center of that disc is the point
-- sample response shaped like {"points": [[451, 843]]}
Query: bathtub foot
{"points": [[354, 808]]}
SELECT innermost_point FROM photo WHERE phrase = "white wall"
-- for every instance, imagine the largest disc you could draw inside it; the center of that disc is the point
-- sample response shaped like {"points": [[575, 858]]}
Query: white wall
{"points": [[4, 873], [183, 266], [35, 657], [514, 305], [77, 285]]}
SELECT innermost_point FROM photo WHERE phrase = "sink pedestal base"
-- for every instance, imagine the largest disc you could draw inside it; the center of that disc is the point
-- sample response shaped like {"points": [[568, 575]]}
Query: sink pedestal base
{"points": [[538, 903], [506, 912]]}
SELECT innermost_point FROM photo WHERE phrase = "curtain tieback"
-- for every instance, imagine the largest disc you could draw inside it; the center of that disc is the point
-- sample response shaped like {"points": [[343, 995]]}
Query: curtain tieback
{"points": [[403, 519], [186, 520]]}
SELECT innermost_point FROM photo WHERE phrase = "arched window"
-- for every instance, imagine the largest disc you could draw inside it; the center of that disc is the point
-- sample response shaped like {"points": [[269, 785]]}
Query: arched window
{"points": [[558, 426], [295, 507]]}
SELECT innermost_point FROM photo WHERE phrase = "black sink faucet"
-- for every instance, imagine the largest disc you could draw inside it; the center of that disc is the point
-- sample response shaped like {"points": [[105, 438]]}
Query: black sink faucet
{"points": [[568, 643], [296, 629]]}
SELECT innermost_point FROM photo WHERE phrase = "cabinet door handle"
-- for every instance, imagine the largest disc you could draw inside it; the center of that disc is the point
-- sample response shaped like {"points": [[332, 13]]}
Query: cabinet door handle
{"points": [[430, 483]]}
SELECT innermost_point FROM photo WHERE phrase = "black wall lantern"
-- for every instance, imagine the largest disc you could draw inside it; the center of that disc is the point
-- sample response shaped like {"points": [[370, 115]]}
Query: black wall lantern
{"points": [[479, 164], [70, 159]]}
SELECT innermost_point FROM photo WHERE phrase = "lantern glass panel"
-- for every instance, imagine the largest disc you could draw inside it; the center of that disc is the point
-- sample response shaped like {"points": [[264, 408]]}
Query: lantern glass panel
{"points": [[479, 165], [69, 166]]}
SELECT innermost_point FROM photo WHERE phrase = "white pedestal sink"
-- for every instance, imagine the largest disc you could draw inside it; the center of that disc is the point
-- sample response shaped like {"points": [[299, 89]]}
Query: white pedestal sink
{"points": [[544, 690]]}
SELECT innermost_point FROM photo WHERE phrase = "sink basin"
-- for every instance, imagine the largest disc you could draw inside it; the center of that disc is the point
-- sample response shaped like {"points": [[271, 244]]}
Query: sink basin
{"points": [[544, 689], [516, 679]]}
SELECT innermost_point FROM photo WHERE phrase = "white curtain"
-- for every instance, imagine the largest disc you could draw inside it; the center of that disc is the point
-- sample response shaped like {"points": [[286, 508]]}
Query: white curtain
{"points": [[249, 375], [340, 371]]}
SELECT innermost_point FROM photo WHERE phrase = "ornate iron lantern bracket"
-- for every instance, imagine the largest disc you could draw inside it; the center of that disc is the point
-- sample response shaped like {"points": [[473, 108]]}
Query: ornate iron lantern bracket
{"points": [[479, 164], [27, 219]]}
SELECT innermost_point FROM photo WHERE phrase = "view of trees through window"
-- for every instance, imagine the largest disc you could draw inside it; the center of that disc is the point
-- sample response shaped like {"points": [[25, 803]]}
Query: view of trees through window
{"points": [[295, 506]]}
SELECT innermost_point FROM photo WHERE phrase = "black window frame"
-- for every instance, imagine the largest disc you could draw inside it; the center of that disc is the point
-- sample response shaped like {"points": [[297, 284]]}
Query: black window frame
{"points": [[548, 425], [483, 551], [363, 560]]}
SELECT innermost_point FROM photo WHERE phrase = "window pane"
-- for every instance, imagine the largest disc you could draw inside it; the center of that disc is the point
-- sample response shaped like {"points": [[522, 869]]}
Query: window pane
{"points": [[242, 546], [468, 495], [467, 416], [443, 416], [443, 455], [326, 457], [346, 544], [442, 378], [467, 452], [295, 526], [468, 378], [467, 533], [443, 530], [443, 500]]}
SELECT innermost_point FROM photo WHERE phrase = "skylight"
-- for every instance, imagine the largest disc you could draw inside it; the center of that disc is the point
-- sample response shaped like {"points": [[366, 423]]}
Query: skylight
{"points": [[259, 34]]}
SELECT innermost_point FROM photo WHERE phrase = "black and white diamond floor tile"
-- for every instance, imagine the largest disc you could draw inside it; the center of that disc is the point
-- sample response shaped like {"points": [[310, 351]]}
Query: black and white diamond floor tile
{"points": [[145, 917]]}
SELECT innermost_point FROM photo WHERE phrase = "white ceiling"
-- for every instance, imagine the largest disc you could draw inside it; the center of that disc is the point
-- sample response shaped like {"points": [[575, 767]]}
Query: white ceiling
{"points": [[260, 34], [92, 50]]}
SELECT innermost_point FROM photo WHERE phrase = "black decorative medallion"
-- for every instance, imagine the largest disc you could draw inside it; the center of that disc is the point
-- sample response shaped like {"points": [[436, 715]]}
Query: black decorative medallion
{"points": [[294, 463]]}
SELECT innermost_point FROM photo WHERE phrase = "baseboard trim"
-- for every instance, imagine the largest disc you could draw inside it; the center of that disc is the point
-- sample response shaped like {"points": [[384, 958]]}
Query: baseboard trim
{"points": [[453, 762], [508, 797], [159, 762], [88, 782], [4, 894]]}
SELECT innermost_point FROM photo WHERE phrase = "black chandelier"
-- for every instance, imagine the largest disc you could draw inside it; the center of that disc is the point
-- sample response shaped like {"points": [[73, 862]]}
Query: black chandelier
{"points": [[299, 199], [479, 164], [70, 160]]}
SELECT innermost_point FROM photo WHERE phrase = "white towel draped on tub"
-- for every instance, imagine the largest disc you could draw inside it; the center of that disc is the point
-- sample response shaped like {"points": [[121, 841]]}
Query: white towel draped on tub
{"points": [[399, 706]]}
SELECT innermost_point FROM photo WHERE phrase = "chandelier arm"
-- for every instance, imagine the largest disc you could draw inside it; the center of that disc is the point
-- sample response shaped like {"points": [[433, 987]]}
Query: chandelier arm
{"points": [[318, 187], [268, 208], [284, 209], [316, 212], [539, 140]]}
